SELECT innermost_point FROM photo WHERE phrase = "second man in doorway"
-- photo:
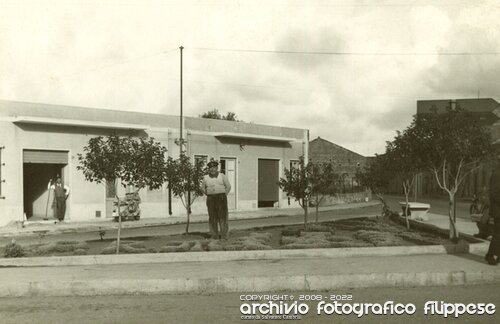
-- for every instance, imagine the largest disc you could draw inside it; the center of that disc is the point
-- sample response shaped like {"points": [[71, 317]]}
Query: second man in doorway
{"points": [[61, 193], [216, 186]]}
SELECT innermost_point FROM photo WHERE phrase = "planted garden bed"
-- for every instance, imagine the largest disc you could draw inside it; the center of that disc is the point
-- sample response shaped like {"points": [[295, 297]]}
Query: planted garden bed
{"points": [[359, 232]]}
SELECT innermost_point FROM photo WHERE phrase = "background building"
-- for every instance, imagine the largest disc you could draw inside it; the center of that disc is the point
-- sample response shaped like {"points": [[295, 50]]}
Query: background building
{"points": [[487, 112], [39, 142], [346, 163]]}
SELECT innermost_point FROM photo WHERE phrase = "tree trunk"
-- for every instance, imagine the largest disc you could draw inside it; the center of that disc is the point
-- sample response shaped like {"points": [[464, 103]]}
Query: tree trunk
{"points": [[306, 211], [188, 212], [407, 206], [452, 217], [317, 209], [385, 208], [119, 227]]}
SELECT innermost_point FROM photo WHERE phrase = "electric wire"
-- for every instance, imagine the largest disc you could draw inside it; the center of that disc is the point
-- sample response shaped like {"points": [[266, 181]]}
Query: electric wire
{"points": [[340, 53]]}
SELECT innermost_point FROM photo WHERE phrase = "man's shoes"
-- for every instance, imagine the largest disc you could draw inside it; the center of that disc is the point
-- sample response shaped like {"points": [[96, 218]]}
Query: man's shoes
{"points": [[491, 259]]}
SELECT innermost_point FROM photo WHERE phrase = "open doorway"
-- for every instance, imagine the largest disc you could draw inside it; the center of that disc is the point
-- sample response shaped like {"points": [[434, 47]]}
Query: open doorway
{"points": [[39, 167], [228, 167]]}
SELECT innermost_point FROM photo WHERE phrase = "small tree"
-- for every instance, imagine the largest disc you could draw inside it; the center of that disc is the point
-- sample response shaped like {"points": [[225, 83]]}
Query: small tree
{"points": [[136, 162], [215, 114], [185, 180], [296, 184], [453, 144], [323, 183], [376, 176], [404, 159]]}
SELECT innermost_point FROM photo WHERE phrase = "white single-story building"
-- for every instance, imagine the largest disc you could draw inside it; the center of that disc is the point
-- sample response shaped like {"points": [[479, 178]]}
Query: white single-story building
{"points": [[40, 141]]}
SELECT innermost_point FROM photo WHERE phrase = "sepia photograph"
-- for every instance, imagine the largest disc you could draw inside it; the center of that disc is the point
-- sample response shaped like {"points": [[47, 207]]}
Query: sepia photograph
{"points": [[244, 161]]}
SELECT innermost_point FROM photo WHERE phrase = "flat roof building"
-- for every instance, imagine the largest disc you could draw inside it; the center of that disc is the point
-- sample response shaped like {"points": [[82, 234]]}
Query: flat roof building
{"points": [[40, 141]]}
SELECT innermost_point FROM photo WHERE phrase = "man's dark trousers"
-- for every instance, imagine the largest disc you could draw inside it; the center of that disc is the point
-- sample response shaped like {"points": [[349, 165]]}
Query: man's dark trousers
{"points": [[494, 248], [60, 203], [60, 207], [217, 215]]}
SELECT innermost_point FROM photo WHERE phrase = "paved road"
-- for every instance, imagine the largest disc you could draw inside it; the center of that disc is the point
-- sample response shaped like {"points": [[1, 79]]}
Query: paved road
{"points": [[225, 308]]}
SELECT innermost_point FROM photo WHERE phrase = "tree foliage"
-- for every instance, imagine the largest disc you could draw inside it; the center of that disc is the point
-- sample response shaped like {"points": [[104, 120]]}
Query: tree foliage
{"points": [[137, 162], [296, 183], [452, 145], [185, 179], [215, 114], [376, 176], [405, 160], [323, 181]]}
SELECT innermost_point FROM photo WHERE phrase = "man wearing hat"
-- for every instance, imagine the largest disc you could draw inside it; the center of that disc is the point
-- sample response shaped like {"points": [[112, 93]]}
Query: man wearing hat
{"points": [[216, 186], [61, 193]]}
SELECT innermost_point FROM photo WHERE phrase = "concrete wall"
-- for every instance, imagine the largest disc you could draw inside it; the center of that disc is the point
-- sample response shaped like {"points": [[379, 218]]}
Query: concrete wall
{"points": [[346, 198]]}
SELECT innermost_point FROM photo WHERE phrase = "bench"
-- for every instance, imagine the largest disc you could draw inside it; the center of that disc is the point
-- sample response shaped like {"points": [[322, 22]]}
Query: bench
{"points": [[417, 211]]}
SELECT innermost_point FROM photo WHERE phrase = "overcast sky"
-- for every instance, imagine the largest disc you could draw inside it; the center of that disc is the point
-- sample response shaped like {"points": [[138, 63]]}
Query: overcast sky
{"points": [[349, 71]]}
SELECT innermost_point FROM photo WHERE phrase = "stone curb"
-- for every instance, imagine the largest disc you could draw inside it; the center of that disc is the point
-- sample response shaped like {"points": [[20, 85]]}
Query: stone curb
{"points": [[475, 248], [244, 284]]}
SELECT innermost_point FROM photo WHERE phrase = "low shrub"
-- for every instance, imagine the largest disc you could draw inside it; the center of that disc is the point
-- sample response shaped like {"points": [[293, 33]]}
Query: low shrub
{"points": [[379, 238], [197, 247], [58, 247], [185, 246], [182, 247], [214, 246], [255, 245], [254, 241], [291, 232], [13, 250], [126, 247], [418, 238], [80, 252], [307, 240]]}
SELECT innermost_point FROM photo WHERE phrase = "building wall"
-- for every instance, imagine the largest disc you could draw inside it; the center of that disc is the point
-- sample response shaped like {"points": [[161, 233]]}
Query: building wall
{"points": [[247, 156], [345, 162], [86, 198]]}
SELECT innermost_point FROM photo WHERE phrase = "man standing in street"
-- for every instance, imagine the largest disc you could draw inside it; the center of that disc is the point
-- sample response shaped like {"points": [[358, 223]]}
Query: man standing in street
{"points": [[61, 193], [216, 186], [494, 249]]}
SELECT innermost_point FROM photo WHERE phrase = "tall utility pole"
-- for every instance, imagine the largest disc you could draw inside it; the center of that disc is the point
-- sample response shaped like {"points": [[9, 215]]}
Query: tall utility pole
{"points": [[181, 141]]}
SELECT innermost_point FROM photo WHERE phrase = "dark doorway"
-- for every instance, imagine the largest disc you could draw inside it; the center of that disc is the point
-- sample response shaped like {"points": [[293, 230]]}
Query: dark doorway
{"points": [[37, 203], [39, 166], [268, 191]]}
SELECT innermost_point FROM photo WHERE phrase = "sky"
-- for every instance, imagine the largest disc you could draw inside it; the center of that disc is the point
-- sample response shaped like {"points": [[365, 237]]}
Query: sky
{"points": [[349, 71]]}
